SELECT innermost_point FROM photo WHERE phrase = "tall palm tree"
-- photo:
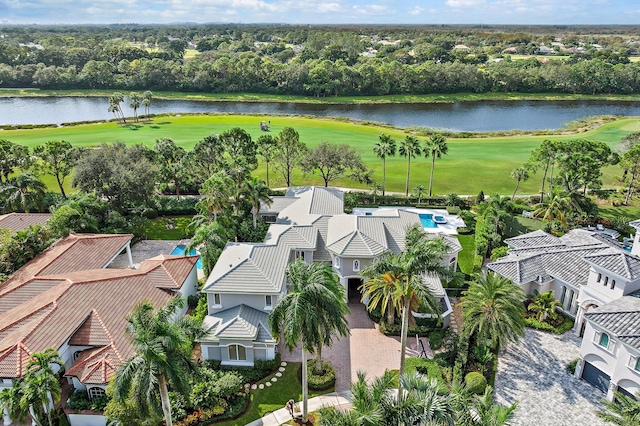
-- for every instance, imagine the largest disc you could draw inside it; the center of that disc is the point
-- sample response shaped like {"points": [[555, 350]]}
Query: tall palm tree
{"points": [[36, 391], [435, 147], [385, 147], [313, 307], [162, 357], [520, 174], [375, 190], [24, 191], [210, 239], [146, 101], [266, 145], [418, 191], [256, 192], [403, 284], [409, 147], [114, 105], [134, 103], [493, 311], [623, 411], [555, 208]]}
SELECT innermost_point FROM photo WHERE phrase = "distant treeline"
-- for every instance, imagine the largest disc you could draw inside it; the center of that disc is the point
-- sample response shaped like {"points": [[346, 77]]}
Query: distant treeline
{"points": [[317, 61]]}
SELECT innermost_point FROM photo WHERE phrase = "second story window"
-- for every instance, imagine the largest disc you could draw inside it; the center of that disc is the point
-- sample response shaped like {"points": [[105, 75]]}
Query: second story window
{"points": [[268, 301], [599, 278], [336, 261], [613, 284], [299, 254], [604, 340], [216, 299], [356, 265], [637, 368]]}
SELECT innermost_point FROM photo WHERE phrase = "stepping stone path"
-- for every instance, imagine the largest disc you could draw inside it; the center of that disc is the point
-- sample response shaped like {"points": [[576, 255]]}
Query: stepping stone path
{"points": [[281, 369], [278, 374], [260, 386], [268, 384], [254, 387], [283, 364], [275, 379]]}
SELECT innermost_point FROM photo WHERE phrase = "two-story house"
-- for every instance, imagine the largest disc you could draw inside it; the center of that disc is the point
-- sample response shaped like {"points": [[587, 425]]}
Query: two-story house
{"points": [[308, 223]]}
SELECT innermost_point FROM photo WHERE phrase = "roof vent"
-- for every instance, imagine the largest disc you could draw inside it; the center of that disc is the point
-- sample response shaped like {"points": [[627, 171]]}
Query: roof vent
{"points": [[539, 278]]}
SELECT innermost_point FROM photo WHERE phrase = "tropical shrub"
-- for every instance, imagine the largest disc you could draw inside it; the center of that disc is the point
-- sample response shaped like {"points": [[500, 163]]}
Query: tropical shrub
{"points": [[435, 339], [571, 368], [322, 381], [475, 382], [193, 301]]}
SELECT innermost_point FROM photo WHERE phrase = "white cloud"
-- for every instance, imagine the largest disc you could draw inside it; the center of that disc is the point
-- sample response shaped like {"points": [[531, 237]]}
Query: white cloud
{"points": [[464, 3], [329, 7], [372, 9], [416, 10]]}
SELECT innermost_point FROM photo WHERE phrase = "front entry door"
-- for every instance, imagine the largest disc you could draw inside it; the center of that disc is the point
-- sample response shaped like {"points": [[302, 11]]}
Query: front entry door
{"points": [[354, 294]]}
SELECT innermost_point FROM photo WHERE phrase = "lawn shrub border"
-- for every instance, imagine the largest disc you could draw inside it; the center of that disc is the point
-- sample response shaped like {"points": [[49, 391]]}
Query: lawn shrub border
{"points": [[543, 326]]}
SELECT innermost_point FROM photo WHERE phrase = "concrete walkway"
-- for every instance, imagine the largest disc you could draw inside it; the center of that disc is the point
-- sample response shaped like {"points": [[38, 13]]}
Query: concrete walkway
{"points": [[275, 418]]}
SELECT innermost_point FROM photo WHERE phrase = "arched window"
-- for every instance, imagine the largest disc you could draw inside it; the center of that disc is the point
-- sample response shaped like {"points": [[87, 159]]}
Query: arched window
{"points": [[237, 353], [613, 284], [599, 278], [563, 295], [604, 340], [606, 280], [76, 354], [336, 261], [571, 295], [356, 265], [96, 392]]}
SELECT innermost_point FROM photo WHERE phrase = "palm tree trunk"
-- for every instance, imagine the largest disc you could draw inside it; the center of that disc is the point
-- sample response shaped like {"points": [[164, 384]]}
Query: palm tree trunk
{"points": [[255, 217], [305, 387], [551, 178], [544, 178], [406, 186], [433, 165], [403, 339], [318, 367], [267, 164], [34, 418], [515, 190], [164, 399], [384, 174], [631, 183], [391, 314]]}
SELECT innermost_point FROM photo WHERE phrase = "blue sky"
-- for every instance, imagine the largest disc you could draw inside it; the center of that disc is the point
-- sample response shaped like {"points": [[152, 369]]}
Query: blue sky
{"points": [[323, 11]]}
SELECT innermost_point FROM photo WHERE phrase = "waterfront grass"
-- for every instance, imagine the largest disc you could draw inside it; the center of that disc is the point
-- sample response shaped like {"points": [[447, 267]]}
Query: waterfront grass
{"points": [[260, 97], [473, 164]]}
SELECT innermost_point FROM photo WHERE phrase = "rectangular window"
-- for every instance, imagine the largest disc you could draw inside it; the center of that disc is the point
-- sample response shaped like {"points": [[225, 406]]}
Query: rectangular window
{"points": [[216, 299], [599, 278], [571, 294], [563, 295], [237, 353], [299, 254], [638, 364], [356, 265], [613, 284], [268, 303]]}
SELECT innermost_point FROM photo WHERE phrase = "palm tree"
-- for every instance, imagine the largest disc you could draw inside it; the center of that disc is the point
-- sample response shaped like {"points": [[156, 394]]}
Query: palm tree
{"points": [[486, 412], [520, 174], [266, 144], [554, 208], [114, 105], [418, 191], [162, 357], [493, 311], [622, 411], [375, 190], [385, 147], [402, 285], [432, 406], [314, 307], [544, 305], [256, 192], [134, 103], [36, 391], [435, 147], [146, 101], [210, 239], [216, 193], [409, 147], [24, 191]]}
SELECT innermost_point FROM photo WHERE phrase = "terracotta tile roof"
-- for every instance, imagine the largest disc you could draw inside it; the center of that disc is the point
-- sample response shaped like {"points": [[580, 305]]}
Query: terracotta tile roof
{"points": [[84, 307], [19, 221]]}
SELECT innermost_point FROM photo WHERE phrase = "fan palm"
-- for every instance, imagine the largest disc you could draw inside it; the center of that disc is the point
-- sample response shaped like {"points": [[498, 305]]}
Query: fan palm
{"points": [[24, 191], [623, 411], [265, 146], [520, 174], [544, 305], [397, 279], [256, 192], [486, 412], [435, 147], [134, 103], [313, 308], [146, 101], [493, 310], [409, 147], [385, 147], [162, 357]]}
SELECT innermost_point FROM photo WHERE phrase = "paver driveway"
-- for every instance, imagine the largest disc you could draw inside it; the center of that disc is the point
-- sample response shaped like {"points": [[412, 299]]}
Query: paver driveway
{"points": [[534, 373], [366, 349]]}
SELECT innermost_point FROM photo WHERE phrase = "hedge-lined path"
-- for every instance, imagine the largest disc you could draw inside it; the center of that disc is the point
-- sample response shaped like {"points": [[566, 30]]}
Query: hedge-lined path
{"points": [[366, 349], [339, 400]]}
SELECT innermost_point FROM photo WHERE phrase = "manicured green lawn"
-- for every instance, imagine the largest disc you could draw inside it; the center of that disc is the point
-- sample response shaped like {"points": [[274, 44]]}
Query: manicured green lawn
{"points": [[264, 401], [433, 368], [468, 253], [519, 225], [472, 164], [157, 229]]}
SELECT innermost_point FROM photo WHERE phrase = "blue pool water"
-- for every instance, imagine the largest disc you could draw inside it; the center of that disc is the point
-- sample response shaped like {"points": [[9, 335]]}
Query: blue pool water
{"points": [[179, 250], [427, 220]]}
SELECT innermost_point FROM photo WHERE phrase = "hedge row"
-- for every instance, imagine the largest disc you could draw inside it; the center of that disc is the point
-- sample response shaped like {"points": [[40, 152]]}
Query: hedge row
{"points": [[543, 326]]}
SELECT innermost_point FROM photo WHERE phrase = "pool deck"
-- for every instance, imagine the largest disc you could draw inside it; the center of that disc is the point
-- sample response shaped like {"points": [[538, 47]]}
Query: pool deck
{"points": [[450, 228], [146, 249]]}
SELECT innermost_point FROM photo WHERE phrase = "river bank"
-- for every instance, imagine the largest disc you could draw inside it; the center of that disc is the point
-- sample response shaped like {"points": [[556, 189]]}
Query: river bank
{"points": [[389, 99]]}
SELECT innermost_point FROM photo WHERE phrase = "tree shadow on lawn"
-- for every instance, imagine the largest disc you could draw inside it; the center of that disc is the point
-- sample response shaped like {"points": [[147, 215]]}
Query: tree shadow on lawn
{"points": [[532, 367]]}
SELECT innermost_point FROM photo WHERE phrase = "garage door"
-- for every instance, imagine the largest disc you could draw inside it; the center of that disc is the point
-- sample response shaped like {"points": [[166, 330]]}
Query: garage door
{"points": [[596, 377], [626, 392]]}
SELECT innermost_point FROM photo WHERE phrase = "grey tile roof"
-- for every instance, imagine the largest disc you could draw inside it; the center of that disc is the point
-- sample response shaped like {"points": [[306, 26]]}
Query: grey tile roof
{"points": [[277, 205], [635, 224], [623, 264], [532, 239], [357, 244], [239, 322], [620, 317]]}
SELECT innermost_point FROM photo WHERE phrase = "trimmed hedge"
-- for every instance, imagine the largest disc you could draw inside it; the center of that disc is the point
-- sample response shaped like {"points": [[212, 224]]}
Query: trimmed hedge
{"points": [[543, 326], [259, 371], [435, 339], [475, 382], [322, 381]]}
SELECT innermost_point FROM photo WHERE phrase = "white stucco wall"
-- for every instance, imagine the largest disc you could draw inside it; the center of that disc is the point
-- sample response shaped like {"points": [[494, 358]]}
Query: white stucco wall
{"points": [[86, 420], [256, 301]]}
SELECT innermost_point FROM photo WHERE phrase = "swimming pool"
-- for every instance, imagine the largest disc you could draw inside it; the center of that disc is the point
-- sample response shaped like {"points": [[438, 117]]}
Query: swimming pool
{"points": [[427, 220], [179, 250]]}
